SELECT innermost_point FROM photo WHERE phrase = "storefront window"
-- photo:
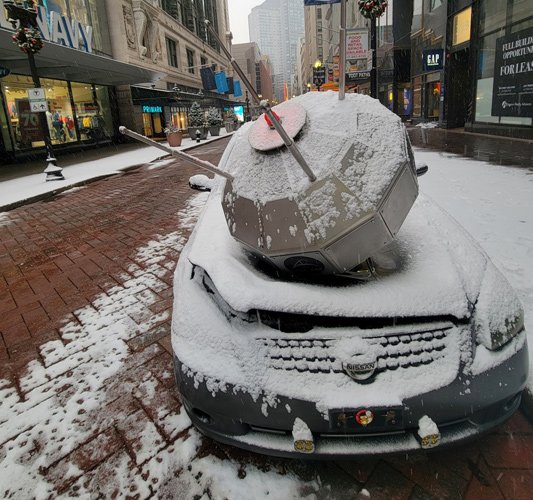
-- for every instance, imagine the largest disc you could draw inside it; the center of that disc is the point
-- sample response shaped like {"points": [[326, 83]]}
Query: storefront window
{"points": [[178, 117], [461, 26], [87, 12], [492, 14], [60, 115], [433, 99], [91, 110], [521, 10]]}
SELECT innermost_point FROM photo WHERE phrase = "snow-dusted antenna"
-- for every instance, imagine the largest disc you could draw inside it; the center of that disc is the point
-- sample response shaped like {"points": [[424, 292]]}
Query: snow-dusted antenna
{"points": [[178, 154], [265, 105]]}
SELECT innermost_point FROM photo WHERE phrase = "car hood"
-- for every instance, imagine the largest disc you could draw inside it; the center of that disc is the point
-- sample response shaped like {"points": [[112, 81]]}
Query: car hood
{"points": [[438, 271]]}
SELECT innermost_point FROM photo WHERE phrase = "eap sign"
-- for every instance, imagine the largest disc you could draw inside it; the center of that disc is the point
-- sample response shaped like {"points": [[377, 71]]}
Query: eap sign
{"points": [[433, 59]]}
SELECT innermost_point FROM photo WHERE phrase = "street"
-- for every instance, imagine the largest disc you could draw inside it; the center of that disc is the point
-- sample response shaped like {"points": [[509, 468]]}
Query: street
{"points": [[89, 405]]}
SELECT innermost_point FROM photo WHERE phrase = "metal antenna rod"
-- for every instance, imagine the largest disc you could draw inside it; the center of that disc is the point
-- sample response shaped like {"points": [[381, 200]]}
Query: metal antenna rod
{"points": [[265, 105], [178, 154]]}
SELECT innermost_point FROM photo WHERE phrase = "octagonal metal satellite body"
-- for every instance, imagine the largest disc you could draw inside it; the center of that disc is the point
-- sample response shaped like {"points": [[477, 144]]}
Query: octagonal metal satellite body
{"points": [[366, 183]]}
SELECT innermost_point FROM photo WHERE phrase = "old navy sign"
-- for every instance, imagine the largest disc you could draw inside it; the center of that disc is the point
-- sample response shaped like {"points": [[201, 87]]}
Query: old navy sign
{"points": [[433, 59], [58, 29]]}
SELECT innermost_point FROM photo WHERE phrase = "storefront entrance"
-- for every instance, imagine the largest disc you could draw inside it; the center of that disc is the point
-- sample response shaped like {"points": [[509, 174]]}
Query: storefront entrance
{"points": [[459, 96], [153, 122]]}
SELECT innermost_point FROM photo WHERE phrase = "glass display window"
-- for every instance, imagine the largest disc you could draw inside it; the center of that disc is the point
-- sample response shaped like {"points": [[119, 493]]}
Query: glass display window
{"points": [[417, 97], [461, 27], [60, 116], [25, 127], [76, 111]]}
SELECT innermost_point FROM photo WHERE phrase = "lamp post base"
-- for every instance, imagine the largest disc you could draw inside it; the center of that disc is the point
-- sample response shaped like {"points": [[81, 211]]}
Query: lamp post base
{"points": [[52, 171]]}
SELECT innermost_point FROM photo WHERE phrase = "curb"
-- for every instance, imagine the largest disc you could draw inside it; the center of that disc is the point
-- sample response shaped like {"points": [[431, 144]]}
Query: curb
{"points": [[55, 192]]}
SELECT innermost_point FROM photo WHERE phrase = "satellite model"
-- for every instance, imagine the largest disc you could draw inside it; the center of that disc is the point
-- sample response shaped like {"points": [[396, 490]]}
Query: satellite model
{"points": [[318, 184]]}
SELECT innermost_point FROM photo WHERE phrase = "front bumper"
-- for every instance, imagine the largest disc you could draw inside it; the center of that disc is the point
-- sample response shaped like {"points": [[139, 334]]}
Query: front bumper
{"points": [[467, 407]]}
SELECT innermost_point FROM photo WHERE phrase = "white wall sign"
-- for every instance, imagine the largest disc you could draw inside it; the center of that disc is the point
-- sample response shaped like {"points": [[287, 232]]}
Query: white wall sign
{"points": [[58, 29], [356, 44]]}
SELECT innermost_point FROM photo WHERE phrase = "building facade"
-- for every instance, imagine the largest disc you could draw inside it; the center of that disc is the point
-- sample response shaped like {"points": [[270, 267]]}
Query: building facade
{"points": [[276, 26], [258, 72], [168, 36], [77, 74]]}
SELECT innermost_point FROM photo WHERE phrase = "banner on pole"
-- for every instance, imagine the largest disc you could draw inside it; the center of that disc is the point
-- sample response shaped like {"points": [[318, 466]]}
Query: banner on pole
{"points": [[237, 92], [222, 82], [319, 2], [208, 78]]}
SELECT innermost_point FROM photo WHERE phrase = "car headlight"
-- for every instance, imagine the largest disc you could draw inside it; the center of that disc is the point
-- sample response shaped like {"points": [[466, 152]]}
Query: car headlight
{"points": [[499, 315]]}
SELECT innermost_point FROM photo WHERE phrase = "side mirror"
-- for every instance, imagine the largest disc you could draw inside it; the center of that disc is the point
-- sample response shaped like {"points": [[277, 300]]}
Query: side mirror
{"points": [[421, 170], [201, 182]]}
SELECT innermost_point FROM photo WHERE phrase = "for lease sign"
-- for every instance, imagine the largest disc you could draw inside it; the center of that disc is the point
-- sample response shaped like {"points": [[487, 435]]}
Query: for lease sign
{"points": [[512, 91]]}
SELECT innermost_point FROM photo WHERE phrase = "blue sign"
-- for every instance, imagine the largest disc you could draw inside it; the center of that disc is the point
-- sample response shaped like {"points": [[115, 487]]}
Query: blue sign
{"points": [[320, 2], [222, 82], [433, 59], [152, 109], [237, 92], [4, 71]]}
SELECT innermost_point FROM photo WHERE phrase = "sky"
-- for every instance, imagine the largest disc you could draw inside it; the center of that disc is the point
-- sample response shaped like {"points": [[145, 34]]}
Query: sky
{"points": [[238, 18]]}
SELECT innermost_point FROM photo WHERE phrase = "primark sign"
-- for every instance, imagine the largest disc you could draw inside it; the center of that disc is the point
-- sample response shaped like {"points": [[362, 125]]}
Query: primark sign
{"points": [[57, 28]]}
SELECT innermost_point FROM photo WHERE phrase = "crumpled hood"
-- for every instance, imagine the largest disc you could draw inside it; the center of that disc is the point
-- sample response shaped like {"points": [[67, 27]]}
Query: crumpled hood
{"points": [[441, 272]]}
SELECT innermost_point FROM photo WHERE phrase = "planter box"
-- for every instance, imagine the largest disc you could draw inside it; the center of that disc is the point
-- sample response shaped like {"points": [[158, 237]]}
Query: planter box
{"points": [[214, 131], [203, 132], [174, 139]]}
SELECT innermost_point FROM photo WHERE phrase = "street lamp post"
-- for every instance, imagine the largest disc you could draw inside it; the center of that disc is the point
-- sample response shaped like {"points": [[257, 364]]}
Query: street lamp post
{"points": [[26, 16], [247, 102]]}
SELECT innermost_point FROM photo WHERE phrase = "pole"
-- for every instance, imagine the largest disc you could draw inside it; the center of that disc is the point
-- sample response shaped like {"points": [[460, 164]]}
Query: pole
{"points": [[178, 154], [265, 106], [342, 51], [374, 70], [52, 171], [27, 18]]}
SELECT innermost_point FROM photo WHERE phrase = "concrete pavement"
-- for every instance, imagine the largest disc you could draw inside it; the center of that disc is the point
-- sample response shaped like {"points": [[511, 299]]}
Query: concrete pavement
{"points": [[89, 405]]}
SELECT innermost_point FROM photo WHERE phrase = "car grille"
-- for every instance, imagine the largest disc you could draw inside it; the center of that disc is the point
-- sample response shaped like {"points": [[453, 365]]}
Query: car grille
{"points": [[397, 350]]}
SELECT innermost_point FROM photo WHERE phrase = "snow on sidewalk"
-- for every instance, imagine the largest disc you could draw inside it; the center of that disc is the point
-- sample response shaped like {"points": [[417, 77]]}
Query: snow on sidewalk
{"points": [[495, 205], [31, 186], [95, 418]]}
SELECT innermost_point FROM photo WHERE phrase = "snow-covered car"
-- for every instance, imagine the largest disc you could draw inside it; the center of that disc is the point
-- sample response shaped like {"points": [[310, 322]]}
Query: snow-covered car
{"points": [[423, 346]]}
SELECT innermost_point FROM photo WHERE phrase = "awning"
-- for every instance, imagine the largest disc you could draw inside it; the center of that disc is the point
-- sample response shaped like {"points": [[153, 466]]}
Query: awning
{"points": [[63, 63]]}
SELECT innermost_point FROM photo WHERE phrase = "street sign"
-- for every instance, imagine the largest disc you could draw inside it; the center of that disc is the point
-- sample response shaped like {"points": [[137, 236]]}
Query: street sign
{"points": [[4, 71], [37, 100], [38, 106], [319, 76], [357, 75], [36, 94]]}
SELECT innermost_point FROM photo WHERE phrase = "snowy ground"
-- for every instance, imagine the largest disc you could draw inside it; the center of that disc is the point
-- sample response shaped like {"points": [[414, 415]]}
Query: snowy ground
{"points": [[47, 420], [494, 204], [29, 186]]}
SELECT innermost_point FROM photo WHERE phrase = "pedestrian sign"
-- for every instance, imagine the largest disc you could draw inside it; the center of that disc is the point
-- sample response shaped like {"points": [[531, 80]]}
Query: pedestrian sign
{"points": [[38, 106], [36, 94], [37, 100]]}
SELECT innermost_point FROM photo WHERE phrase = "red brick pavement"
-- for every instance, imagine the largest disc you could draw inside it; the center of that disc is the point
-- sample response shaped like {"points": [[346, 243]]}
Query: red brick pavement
{"points": [[71, 270]]}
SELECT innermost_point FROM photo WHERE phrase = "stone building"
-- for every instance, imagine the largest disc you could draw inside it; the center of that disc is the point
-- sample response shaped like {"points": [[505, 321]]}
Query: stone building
{"points": [[167, 36]]}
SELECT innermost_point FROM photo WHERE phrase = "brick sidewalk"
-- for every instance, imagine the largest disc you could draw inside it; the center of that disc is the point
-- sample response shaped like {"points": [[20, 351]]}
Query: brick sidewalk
{"points": [[89, 406]]}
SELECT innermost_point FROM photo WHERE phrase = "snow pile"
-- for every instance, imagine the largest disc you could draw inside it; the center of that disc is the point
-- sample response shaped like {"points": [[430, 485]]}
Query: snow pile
{"points": [[301, 431], [426, 427], [428, 125]]}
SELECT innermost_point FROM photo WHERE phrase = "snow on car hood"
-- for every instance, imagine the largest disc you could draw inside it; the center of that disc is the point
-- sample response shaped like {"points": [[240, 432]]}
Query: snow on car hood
{"points": [[442, 269]]}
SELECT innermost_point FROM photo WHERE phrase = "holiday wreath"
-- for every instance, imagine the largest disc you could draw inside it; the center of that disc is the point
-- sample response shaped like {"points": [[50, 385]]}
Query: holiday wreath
{"points": [[372, 8], [28, 40]]}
